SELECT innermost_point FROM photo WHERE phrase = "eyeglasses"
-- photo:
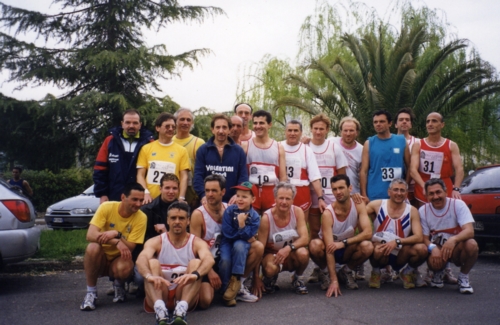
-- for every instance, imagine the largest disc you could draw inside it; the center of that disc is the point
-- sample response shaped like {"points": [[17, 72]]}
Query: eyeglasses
{"points": [[169, 127]]}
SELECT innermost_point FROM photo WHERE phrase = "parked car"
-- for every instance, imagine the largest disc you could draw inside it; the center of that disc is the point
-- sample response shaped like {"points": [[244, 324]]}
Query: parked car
{"points": [[73, 213], [481, 192], [19, 238]]}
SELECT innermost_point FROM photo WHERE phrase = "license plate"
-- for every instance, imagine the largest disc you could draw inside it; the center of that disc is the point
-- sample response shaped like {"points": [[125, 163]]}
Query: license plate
{"points": [[478, 225], [57, 220]]}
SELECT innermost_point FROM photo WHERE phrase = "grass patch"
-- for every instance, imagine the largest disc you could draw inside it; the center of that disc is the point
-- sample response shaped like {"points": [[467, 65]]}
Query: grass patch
{"points": [[62, 245]]}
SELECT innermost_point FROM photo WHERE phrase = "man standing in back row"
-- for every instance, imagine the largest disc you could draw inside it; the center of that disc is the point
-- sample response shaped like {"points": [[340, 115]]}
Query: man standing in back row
{"points": [[244, 111], [385, 157], [161, 157], [436, 157], [116, 163], [265, 162]]}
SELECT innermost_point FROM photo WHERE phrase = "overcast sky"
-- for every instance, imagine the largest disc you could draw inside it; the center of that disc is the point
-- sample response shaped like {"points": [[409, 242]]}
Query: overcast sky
{"points": [[252, 29]]}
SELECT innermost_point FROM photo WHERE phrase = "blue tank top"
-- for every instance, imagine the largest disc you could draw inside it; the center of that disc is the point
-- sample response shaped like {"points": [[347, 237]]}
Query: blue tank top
{"points": [[386, 164], [16, 183]]}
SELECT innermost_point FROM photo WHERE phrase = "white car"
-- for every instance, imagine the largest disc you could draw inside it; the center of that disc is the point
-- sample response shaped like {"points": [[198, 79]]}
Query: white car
{"points": [[19, 238]]}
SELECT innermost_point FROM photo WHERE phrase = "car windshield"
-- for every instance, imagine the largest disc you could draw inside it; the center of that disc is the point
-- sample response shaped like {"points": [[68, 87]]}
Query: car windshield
{"points": [[89, 191], [483, 180]]}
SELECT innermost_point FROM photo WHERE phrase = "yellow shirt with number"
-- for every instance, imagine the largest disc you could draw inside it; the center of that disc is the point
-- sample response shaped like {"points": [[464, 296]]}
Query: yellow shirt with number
{"points": [[132, 228], [159, 159]]}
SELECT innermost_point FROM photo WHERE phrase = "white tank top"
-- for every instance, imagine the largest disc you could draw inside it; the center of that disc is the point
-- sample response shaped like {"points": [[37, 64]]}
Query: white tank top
{"points": [[213, 230], [343, 229], [327, 163], [296, 164], [174, 261], [279, 237], [400, 227], [263, 164]]}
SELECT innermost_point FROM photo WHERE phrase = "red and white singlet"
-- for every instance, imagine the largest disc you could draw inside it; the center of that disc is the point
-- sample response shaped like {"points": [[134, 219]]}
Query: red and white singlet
{"points": [[263, 164], [174, 261], [279, 237]]}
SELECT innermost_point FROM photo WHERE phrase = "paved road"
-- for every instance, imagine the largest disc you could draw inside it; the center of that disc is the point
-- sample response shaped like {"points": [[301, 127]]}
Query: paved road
{"points": [[54, 298]]}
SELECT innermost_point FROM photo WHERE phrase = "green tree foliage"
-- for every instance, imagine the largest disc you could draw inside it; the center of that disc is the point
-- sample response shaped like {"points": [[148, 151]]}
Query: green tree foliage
{"points": [[100, 57], [351, 62]]}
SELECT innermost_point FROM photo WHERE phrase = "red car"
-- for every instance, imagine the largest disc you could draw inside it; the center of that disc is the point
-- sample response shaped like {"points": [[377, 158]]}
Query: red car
{"points": [[481, 191]]}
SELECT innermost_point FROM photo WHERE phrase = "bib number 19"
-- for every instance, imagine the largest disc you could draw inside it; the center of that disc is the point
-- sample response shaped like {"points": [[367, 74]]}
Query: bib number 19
{"points": [[263, 179]]}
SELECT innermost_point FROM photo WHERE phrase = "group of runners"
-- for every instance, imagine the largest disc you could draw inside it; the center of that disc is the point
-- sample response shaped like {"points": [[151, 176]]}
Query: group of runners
{"points": [[228, 215]]}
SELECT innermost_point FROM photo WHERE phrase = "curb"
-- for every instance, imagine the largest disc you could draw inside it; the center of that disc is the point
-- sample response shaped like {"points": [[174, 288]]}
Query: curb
{"points": [[43, 265]]}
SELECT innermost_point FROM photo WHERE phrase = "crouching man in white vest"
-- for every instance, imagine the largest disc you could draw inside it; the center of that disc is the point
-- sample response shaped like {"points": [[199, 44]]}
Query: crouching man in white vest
{"points": [[173, 265]]}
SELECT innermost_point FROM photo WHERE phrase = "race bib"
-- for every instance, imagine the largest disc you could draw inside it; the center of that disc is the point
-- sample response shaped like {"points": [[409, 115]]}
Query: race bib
{"points": [[326, 174], [390, 173], [172, 273], [431, 163], [384, 237], [283, 238], [262, 175], [440, 238], [215, 245], [157, 169], [293, 169], [344, 235]]}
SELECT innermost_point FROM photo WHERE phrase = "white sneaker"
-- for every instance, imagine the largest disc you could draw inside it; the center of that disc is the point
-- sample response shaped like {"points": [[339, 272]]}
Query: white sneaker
{"points": [[120, 294], [464, 285], [449, 277], [245, 295], [437, 280], [89, 301]]}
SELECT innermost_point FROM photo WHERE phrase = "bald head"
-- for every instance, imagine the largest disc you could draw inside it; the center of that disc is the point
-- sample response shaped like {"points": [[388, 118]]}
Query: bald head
{"points": [[434, 124], [436, 115], [237, 127], [244, 111]]}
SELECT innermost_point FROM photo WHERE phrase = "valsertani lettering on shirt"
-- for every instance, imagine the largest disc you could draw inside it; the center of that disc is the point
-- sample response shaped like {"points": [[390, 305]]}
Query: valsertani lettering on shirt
{"points": [[217, 168]]}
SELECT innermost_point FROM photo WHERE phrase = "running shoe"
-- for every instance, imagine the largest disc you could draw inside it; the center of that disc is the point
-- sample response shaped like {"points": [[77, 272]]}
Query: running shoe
{"points": [[314, 277], [324, 278], [179, 317], [464, 285], [347, 278], [299, 285], [449, 277], [419, 281], [232, 289], [428, 276], [132, 288], [408, 278], [245, 295], [162, 316], [375, 280], [360, 272], [270, 283], [89, 301], [120, 294], [437, 280]]}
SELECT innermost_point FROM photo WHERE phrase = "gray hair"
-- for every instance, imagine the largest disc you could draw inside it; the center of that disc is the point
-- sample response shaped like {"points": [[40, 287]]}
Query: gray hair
{"points": [[286, 186], [398, 181], [184, 109], [434, 181], [294, 122]]}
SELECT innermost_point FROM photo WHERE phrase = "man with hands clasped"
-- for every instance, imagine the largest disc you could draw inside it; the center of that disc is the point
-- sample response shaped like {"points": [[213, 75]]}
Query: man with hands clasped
{"points": [[173, 265]]}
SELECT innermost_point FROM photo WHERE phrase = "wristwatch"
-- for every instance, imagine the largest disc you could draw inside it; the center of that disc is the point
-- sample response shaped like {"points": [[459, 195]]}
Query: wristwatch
{"points": [[292, 246], [398, 243], [345, 243], [321, 198], [456, 189], [119, 235]]}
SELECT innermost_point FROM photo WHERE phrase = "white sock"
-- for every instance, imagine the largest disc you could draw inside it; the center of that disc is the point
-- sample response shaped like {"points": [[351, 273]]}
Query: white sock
{"points": [[463, 276], [181, 307], [160, 308], [92, 289], [242, 280]]}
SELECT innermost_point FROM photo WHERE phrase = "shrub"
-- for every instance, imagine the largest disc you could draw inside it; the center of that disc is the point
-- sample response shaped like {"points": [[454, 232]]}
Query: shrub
{"points": [[49, 188]]}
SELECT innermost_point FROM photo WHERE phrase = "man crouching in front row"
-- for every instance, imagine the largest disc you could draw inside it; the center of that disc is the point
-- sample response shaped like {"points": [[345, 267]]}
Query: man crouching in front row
{"points": [[338, 242], [174, 276]]}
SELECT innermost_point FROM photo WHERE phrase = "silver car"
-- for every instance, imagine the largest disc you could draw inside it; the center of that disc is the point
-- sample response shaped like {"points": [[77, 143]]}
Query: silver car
{"points": [[19, 238], [73, 213]]}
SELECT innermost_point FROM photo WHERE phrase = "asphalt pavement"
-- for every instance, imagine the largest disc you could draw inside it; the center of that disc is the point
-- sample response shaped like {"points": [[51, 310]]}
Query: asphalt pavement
{"points": [[55, 297]]}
